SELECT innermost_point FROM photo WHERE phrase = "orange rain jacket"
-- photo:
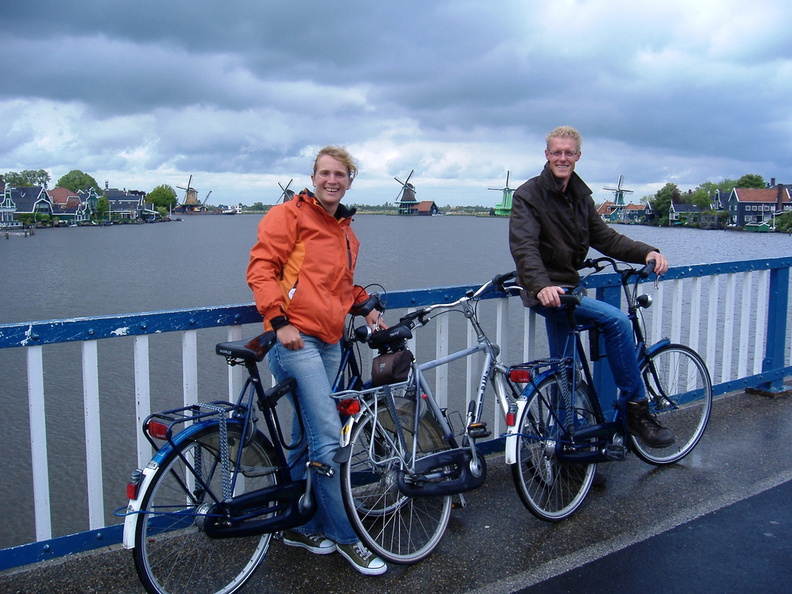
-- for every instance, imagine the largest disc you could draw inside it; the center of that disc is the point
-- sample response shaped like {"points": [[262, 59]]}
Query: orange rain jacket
{"points": [[302, 267]]}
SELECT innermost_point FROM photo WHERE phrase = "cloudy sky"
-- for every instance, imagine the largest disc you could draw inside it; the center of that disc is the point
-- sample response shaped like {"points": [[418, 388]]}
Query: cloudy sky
{"points": [[241, 93]]}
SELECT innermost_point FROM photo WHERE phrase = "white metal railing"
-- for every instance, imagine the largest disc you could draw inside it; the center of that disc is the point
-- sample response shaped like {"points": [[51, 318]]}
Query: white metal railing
{"points": [[722, 313]]}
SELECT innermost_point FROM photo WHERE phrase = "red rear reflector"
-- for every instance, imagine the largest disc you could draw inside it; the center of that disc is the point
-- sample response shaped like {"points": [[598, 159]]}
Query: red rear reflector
{"points": [[521, 376], [132, 491], [157, 429], [511, 419], [134, 484], [349, 406]]}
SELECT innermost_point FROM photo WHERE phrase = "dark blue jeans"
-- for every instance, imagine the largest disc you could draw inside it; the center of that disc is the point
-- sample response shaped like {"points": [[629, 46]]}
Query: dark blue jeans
{"points": [[617, 333]]}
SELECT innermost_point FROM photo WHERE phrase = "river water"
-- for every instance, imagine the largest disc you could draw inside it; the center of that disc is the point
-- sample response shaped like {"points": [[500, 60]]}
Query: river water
{"points": [[201, 261]]}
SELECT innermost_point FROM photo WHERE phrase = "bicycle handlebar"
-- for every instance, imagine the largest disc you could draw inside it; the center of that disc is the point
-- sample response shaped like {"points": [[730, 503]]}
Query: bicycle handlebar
{"points": [[364, 308], [381, 339], [626, 270]]}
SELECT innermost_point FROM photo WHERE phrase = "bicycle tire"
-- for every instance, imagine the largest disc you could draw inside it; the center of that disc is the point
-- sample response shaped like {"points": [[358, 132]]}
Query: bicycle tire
{"points": [[680, 396], [398, 528], [172, 554], [550, 489]]}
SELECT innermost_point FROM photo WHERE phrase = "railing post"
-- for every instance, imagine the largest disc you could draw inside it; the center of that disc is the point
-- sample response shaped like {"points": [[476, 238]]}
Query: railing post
{"points": [[777, 307], [93, 435], [142, 397], [38, 443]]}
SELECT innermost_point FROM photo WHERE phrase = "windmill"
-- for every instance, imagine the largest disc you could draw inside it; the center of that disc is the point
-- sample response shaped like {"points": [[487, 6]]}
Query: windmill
{"points": [[286, 193], [503, 208], [618, 200], [190, 202], [406, 196]]}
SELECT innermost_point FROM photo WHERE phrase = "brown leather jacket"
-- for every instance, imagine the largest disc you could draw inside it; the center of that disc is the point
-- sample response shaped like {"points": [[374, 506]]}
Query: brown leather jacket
{"points": [[550, 233]]}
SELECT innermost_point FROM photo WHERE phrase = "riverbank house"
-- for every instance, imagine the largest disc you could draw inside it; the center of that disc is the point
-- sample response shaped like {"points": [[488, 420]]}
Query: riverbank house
{"points": [[757, 205]]}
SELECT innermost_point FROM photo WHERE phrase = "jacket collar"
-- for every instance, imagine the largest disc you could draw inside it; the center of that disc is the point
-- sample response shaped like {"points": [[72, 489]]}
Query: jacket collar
{"points": [[576, 186]]}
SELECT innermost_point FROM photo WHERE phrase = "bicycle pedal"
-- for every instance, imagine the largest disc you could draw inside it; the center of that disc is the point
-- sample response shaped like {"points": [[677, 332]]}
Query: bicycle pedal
{"points": [[478, 430], [322, 469], [616, 452]]}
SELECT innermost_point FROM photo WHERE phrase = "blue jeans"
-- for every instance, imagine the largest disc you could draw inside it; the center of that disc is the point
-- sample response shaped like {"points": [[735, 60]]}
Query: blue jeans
{"points": [[617, 333], [314, 367]]}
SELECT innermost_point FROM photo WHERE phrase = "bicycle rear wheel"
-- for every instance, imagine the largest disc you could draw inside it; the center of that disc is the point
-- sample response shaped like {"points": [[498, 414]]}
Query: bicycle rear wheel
{"points": [[172, 552], [550, 489], [680, 395], [398, 528]]}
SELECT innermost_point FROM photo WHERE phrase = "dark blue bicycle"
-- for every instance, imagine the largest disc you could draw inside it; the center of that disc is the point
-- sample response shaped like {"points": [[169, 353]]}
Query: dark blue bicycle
{"points": [[564, 431]]}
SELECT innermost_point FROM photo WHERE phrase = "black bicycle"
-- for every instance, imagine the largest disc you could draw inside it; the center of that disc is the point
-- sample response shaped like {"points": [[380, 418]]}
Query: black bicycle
{"points": [[201, 515]]}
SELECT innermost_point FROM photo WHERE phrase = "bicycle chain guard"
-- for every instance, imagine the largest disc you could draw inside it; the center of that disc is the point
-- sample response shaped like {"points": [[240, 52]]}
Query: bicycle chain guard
{"points": [[441, 474]]}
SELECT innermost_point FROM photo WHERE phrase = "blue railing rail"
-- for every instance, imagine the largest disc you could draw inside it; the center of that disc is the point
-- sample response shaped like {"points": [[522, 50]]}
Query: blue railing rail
{"points": [[716, 308]]}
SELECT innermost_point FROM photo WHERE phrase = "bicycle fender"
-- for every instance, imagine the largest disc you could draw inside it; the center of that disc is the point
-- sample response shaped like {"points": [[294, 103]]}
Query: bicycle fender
{"points": [[132, 514], [651, 350], [346, 432], [513, 433]]}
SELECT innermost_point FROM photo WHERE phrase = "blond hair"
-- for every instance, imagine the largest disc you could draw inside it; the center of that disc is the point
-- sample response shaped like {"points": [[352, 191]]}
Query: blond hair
{"points": [[565, 132], [339, 153]]}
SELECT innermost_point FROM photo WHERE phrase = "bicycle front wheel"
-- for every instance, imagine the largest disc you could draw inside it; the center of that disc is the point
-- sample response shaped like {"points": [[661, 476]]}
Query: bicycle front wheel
{"points": [[550, 489], [679, 389], [172, 552], [398, 528]]}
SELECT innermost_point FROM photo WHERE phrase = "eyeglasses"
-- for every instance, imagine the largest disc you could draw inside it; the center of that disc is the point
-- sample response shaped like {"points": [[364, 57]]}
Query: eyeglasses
{"points": [[559, 154]]}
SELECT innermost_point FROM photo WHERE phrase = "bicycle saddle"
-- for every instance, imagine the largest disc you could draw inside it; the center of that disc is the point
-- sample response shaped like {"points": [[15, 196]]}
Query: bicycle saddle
{"points": [[248, 349]]}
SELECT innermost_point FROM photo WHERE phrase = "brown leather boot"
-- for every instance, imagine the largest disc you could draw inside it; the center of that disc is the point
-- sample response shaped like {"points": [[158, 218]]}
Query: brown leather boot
{"points": [[643, 424]]}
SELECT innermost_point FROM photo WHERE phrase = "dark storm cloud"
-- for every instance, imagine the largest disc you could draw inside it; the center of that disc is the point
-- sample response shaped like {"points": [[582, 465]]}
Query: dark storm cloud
{"points": [[462, 90]]}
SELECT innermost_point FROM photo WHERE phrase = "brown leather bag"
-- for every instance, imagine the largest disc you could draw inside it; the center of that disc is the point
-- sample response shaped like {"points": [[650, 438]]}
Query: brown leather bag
{"points": [[390, 368]]}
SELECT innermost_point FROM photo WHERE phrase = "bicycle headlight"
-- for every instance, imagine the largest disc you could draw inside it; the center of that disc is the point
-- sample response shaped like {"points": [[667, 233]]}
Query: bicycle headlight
{"points": [[644, 301]]}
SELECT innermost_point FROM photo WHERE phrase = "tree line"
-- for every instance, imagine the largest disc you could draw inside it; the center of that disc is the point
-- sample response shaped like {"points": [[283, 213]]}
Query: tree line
{"points": [[163, 197], [702, 197]]}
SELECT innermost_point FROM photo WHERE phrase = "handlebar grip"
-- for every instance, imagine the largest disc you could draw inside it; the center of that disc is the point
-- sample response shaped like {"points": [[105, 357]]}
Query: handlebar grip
{"points": [[571, 298], [365, 308], [647, 270], [388, 335], [499, 279]]}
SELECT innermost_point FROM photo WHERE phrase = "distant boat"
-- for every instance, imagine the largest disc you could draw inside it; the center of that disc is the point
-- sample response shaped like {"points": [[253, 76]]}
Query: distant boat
{"points": [[762, 227]]}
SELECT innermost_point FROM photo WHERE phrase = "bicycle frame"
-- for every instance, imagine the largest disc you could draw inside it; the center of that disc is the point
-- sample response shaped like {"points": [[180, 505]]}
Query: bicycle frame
{"points": [[577, 363], [418, 386]]}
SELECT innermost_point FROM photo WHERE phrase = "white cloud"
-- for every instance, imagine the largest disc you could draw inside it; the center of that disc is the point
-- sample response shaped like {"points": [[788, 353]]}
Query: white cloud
{"points": [[239, 95]]}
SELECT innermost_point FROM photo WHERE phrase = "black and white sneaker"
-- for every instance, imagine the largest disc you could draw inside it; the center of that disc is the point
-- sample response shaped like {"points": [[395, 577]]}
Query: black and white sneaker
{"points": [[317, 544], [362, 559]]}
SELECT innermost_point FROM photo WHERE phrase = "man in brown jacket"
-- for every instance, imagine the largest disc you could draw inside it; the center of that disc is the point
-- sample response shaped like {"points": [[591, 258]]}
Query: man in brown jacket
{"points": [[553, 223]]}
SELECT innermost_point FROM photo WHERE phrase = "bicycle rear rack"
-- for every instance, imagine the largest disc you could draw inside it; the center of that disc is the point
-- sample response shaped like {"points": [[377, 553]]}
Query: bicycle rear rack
{"points": [[165, 425]]}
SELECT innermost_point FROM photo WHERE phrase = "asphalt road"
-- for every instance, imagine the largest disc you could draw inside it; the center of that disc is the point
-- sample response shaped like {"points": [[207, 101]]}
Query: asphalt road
{"points": [[719, 521]]}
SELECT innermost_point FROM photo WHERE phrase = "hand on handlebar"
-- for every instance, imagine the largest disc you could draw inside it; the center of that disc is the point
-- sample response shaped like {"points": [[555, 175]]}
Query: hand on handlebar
{"points": [[374, 320], [661, 263], [549, 296]]}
